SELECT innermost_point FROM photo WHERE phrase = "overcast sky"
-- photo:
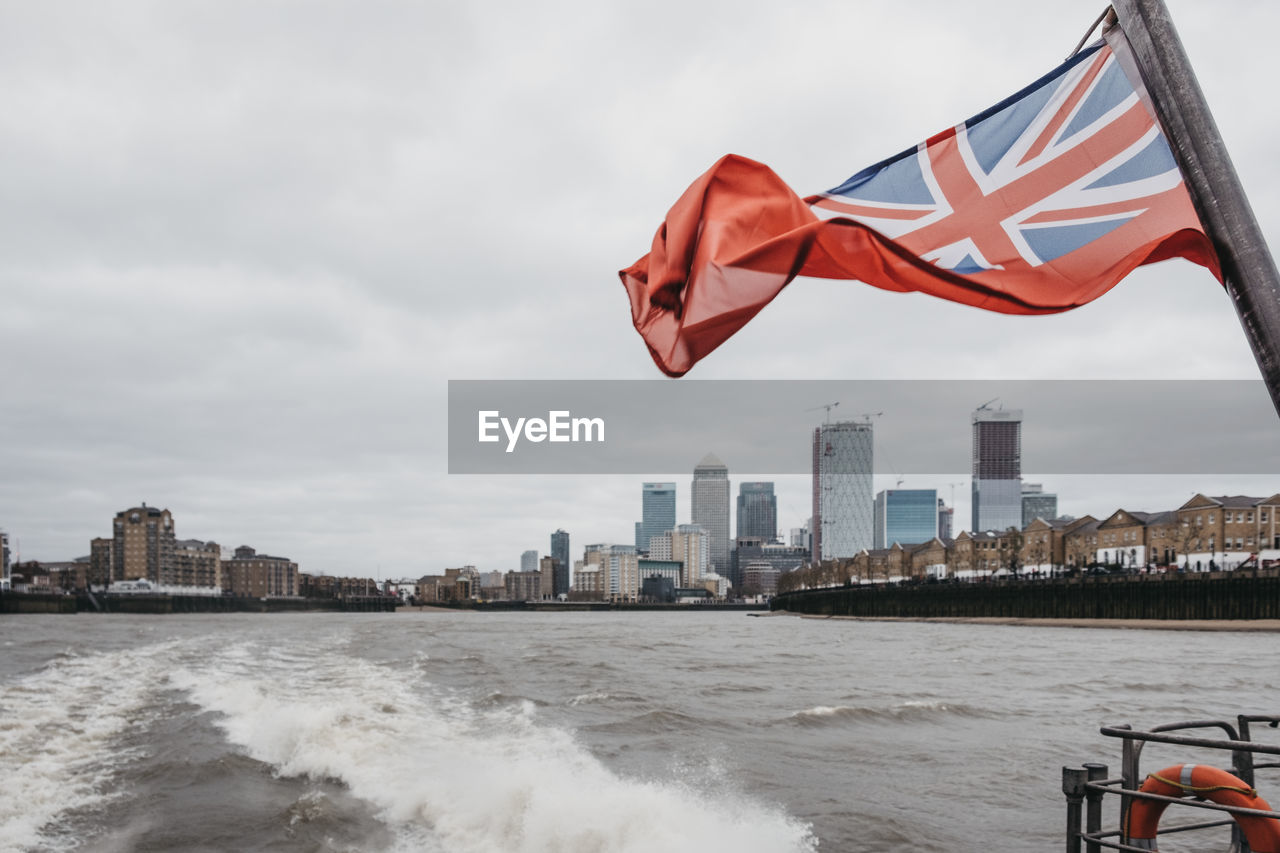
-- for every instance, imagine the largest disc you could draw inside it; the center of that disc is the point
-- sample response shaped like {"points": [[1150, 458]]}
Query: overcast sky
{"points": [[246, 245]]}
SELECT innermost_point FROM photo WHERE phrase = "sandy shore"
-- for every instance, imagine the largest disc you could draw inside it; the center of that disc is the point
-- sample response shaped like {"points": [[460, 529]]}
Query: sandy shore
{"points": [[1244, 625]]}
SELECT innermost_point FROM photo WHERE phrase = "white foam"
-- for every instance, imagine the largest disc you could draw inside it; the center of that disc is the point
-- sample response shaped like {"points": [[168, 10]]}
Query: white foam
{"points": [[447, 776], [58, 739], [823, 711]]}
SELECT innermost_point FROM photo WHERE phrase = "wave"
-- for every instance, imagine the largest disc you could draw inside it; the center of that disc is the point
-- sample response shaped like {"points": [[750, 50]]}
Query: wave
{"points": [[497, 699], [602, 697], [723, 689], [656, 722], [912, 711], [446, 774]]}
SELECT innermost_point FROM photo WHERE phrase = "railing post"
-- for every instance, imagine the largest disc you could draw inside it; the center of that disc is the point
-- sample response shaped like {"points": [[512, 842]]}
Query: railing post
{"points": [[1242, 759], [1073, 779], [1242, 764], [1093, 811], [1129, 752]]}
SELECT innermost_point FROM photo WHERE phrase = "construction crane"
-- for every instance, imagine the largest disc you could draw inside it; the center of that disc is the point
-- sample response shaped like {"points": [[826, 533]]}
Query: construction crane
{"points": [[986, 404], [867, 416], [828, 407]]}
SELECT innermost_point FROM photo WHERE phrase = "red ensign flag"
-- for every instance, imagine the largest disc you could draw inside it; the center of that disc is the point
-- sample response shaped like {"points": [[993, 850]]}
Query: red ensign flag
{"points": [[1040, 204]]}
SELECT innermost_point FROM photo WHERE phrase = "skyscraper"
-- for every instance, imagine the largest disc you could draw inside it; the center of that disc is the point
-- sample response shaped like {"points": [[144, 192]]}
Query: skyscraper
{"points": [[560, 552], [842, 505], [757, 511], [4, 561], [710, 505], [905, 516], [997, 469], [529, 561], [945, 515], [658, 512], [1037, 503]]}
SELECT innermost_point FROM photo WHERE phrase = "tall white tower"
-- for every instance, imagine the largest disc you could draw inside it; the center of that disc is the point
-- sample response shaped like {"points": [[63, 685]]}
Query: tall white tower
{"points": [[843, 509]]}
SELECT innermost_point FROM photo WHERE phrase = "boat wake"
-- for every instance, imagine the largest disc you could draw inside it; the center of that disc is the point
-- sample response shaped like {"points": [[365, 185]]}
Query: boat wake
{"points": [[445, 774]]}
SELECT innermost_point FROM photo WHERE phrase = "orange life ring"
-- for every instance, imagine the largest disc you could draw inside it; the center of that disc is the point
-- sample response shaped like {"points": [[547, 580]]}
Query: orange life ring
{"points": [[1210, 783]]}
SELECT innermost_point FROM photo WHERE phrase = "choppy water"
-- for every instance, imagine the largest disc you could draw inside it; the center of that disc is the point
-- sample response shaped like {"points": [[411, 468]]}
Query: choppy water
{"points": [[575, 732]]}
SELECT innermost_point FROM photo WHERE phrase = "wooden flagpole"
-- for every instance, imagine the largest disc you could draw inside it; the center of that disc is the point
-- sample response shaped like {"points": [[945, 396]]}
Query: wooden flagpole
{"points": [[1249, 270]]}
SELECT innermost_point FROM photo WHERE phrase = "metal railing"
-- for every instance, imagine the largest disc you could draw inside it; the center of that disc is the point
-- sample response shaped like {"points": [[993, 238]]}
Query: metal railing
{"points": [[1086, 786]]}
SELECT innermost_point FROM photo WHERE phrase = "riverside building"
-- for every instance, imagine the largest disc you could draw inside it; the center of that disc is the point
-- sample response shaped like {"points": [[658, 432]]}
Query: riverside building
{"points": [[905, 516], [254, 575], [688, 545], [547, 571], [142, 542], [619, 570]]}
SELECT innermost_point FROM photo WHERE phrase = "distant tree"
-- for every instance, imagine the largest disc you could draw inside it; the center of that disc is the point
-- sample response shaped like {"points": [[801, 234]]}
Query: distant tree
{"points": [[1037, 554], [1079, 553], [1014, 539], [1186, 536]]}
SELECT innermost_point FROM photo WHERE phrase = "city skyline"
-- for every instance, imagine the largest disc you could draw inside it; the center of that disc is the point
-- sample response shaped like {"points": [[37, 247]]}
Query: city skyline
{"points": [[1079, 496], [1166, 509]]}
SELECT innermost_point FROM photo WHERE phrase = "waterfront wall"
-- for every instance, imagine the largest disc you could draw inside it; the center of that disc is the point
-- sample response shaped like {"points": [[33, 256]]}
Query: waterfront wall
{"points": [[37, 603], [231, 604], [28, 603], [1225, 595], [569, 606]]}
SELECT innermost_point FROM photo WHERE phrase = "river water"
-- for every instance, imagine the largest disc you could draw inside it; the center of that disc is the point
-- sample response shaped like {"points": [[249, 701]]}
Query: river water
{"points": [[577, 732]]}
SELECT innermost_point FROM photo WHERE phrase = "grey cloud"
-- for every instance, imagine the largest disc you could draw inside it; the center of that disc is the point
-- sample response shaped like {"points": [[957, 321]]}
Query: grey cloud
{"points": [[245, 245]]}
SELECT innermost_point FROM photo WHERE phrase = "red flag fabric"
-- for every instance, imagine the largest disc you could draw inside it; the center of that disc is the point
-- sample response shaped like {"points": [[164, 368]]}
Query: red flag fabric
{"points": [[1038, 205]]}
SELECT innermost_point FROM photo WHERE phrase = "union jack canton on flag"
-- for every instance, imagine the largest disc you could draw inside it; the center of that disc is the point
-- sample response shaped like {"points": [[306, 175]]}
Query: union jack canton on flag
{"points": [[1040, 204]]}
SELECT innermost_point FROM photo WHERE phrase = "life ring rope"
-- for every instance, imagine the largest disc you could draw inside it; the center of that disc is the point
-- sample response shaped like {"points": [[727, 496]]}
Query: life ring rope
{"points": [[1207, 789]]}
